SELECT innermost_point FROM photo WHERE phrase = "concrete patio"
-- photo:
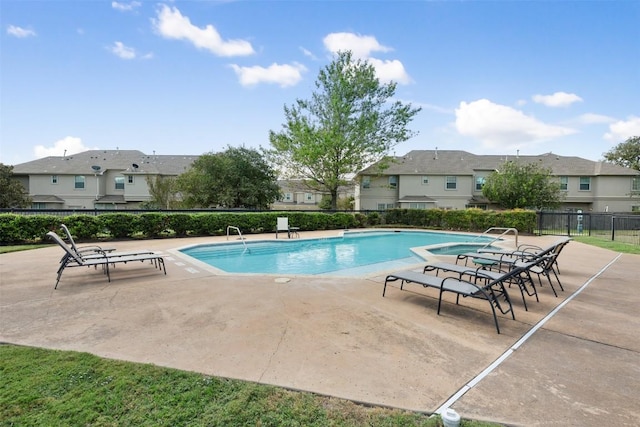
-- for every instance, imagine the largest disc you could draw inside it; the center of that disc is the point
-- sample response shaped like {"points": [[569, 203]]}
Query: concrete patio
{"points": [[338, 336]]}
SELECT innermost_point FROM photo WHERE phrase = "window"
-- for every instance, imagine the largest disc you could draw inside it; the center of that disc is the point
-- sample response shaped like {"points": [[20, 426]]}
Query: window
{"points": [[393, 181], [38, 205], [287, 197], [451, 183], [381, 206], [79, 182], [119, 182], [479, 182], [308, 197], [564, 183], [366, 182], [417, 205], [130, 179], [54, 180], [390, 205], [425, 180], [585, 183], [635, 184]]}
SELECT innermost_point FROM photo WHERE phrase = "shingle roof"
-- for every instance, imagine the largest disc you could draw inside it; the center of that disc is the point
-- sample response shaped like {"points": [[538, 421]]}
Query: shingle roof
{"points": [[457, 162], [107, 160]]}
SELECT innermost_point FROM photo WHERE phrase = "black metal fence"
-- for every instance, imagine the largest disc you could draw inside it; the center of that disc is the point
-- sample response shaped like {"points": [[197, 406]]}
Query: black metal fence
{"points": [[619, 227]]}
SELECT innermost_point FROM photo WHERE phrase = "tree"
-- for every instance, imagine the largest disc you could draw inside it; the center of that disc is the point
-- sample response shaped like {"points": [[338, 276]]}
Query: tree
{"points": [[523, 185], [164, 192], [626, 153], [235, 178], [347, 125], [12, 192]]}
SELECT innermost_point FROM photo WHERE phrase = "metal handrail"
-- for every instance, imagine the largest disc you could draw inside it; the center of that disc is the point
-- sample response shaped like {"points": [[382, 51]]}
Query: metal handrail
{"points": [[233, 227], [506, 231]]}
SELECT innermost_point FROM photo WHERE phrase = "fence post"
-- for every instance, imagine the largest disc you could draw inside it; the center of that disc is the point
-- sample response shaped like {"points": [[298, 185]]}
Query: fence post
{"points": [[613, 228]]}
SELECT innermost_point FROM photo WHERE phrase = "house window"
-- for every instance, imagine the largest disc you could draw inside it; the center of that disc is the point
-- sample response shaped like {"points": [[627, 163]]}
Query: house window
{"points": [[425, 180], [390, 205], [38, 205], [130, 179], [635, 184], [381, 206], [417, 205], [479, 182], [79, 182], [564, 183], [451, 183], [393, 181], [308, 197], [287, 197], [366, 182], [585, 183], [119, 182], [54, 180]]}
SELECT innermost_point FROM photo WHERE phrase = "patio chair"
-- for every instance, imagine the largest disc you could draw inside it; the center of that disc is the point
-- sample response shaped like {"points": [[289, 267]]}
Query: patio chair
{"points": [[492, 289], [102, 259], [523, 280], [97, 251], [283, 225]]}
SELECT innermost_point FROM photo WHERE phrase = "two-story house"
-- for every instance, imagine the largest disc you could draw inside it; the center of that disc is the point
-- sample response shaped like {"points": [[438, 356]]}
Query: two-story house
{"points": [[96, 179], [452, 179], [298, 196]]}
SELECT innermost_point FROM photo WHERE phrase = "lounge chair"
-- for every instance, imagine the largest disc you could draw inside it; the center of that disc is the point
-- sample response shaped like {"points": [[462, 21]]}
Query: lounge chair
{"points": [[97, 251], [103, 259], [282, 225], [523, 280], [492, 289]]}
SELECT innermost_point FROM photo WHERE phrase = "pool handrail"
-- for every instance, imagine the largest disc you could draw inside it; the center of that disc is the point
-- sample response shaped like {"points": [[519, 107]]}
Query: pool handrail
{"points": [[505, 231], [233, 227]]}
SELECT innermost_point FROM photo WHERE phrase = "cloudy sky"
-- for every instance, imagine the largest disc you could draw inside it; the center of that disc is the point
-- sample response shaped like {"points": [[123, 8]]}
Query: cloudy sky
{"points": [[190, 77]]}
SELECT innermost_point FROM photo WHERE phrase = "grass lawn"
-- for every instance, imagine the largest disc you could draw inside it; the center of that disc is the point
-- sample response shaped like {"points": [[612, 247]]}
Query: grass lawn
{"points": [[49, 387]]}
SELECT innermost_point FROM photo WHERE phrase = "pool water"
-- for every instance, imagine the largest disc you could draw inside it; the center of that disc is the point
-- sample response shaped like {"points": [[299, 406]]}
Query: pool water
{"points": [[351, 252]]}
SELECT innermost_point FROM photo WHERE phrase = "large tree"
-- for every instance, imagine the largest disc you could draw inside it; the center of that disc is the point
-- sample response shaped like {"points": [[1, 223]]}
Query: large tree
{"points": [[518, 185], [12, 193], [236, 178], [164, 192], [349, 123], [626, 153]]}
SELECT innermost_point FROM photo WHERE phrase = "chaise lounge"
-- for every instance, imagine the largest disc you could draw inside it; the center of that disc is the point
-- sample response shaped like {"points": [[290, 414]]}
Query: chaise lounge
{"points": [[98, 257]]}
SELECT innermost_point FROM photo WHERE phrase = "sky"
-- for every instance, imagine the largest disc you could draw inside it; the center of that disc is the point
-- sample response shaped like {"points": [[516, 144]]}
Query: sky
{"points": [[192, 77]]}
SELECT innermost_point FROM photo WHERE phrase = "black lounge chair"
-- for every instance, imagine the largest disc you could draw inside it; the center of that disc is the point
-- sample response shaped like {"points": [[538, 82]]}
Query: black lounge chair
{"points": [[491, 289], [100, 258]]}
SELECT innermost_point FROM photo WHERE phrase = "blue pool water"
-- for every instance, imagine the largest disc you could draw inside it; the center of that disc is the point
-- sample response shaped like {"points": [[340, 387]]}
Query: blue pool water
{"points": [[355, 252]]}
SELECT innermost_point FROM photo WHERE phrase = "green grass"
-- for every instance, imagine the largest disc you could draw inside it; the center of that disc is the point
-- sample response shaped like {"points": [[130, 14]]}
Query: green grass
{"points": [[16, 248], [608, 244], [49, 387]]}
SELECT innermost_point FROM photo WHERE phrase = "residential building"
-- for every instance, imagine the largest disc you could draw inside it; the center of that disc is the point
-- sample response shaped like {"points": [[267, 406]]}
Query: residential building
{"points": [[96, 179], [452, 179], [117, 179]]}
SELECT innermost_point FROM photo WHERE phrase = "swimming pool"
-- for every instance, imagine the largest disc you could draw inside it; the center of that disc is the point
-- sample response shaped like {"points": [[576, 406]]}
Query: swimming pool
{"points": [[354, 253]]}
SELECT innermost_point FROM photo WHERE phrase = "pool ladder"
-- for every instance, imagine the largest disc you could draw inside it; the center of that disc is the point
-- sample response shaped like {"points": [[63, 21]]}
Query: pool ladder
{"points": [[233, 227], [504, 232]]}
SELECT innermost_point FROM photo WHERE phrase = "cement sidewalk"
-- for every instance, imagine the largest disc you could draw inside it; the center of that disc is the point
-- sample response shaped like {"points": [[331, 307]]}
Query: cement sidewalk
{"points": [[339, 337]]}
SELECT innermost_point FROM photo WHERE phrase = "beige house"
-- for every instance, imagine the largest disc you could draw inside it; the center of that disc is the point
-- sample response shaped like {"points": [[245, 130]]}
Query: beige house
{"points": [[452, 179], [117, 179], [96, 179]]}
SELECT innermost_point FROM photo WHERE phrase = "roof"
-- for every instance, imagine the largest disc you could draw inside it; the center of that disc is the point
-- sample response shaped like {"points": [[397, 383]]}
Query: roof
{"points": [[130, 161], [112, 198], [457, 162], [417, 199], [46, 198]]}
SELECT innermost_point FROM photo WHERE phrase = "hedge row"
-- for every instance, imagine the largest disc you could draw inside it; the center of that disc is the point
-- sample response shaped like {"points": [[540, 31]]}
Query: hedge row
{"points": [[15, 228]]}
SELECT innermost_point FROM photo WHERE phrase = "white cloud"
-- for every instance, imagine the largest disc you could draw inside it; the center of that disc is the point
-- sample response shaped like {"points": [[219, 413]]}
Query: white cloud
{"points": [[283, 75], [558, 99], [621, 130], [20, 32], [362, 47], [70, 144], [122, 51], [591, 118], [502, 127], [172, 25], [125, 7], [308, 53]]}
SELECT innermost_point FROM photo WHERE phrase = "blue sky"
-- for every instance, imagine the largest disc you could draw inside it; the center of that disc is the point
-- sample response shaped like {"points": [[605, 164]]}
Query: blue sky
{"points": [[190, 77]]}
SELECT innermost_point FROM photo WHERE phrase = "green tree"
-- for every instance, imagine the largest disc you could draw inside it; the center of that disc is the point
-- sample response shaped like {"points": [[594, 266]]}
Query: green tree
{"points": [[523, 185], [164, 192], [626, 153], [235, 178], [12, 192], [348, 124]]}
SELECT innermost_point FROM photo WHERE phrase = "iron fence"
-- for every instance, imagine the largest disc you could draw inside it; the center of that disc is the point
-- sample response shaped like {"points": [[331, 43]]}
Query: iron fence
{"points": [[619, 227]]}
